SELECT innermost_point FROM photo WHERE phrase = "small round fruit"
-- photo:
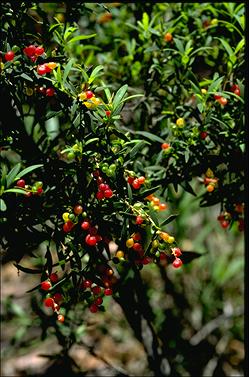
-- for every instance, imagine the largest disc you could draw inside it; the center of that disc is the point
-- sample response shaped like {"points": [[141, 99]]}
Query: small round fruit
{"points": [[21, 183], [103, 187], [171, 239], [58, 297], [108, 292], [93, 308], [85, 225], [139, 220], [46, 285], [41, 69], [65, 216], [176, 251], [96, 290], [50, 66], [165, 146], [217, 96], [50, 92], [119, 254], [39, 50], [168, 37], [39, 190], [70, 156], [137, 237], [67, 227], [87, 284], [224, 224], [78, 209], [49, 302], [100, 195], [210, 188], [223, 101], [9, 56], [180, 122], [98, 301], [130, 243], [29, 50], [162, 206], [141, 180], [91, 240], [61, 318], [204, 91], [108, 113], [130, 180], [108, 193], [177, 263], [136, 184], [137, 247], [54, 277], [89, 94]]}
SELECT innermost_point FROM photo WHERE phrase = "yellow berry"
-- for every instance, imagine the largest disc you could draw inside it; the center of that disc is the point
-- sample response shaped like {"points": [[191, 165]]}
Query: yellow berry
{"points": [[119, 254], [204, 91], [129, 243], [65, 216], [180, 122], [155, 244], [171, 239], [156, 208], [51, 65]]}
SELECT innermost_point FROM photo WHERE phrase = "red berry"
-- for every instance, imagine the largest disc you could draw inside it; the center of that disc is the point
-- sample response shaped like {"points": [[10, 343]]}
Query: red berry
{"points": [[103, 187], [50, 92], [163, 256], [58, 297], [42, 90], [176, 251], [89, 94], [9, 56], [29, 50], [108, 113], [85, 225], [49, 302], [93, 308], [203, 135], [61, 318], [54, 277], [98, 301], [100, 195], [237, 91], [96, 290], [39, 190], [78, 210], [91, 240], [146, 260], [136, 184], [177, 263], [39, 50], [224, 224], [137, 247], [165, 146], [223, 101], [46, 285], [20, 183], [33, 58], [141, 180], [67, 227], [42, 69], [130, 180], [108, 292], [139, 220], [137, 237], [108, 193], [87, 284], [217, 96]]}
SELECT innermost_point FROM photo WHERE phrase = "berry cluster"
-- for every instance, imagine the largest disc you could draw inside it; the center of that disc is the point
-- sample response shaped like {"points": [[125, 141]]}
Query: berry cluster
{"points": [[71, 218], [104, 190], [89, 99], [36, 189], [48, 92], [108, 169], [95, 299], [155, 203], [236, 214], [134, 243], [42, 69], [52, 301], [235, 89], [136, 182], [222, 100], [210, 181], [32, 52]]}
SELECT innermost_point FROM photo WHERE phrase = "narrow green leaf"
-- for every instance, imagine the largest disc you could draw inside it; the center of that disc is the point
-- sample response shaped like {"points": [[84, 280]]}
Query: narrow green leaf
{"points": [[137, 148], [27, 270], [28, 170], [17, 191], [12, 174], [95, 73], [119, 96], [26, 77], [3, 206], [67, 69], [81, 38], [150, 136], [168, 220], [226, 45]]}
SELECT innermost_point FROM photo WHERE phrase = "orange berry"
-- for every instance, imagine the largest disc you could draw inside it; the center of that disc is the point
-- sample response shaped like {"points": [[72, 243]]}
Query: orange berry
{"points": [[210, 188], [168, 37], [162, 206]]}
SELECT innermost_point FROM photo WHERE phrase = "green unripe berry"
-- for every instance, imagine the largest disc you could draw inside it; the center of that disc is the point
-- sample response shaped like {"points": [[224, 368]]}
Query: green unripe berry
{"points": [[70, 156]]}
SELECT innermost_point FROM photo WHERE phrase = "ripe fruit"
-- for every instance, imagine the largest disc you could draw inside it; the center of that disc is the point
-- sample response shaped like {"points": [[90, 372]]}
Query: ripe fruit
{"points": [[39, 190], [223, 101], [9, 56], [217, 96], [78, 209], [136, 184], [98, 301], [20, 183], [100, 195], [67, 227], [204, 91], [91, 240], [210, 187], [180, 122], [137, 237], [29, 50], [39, 50], [108, 193], [141, 180], [49, 302], [176, 251], [235, 89], [93, 308], [96, 290], [58, 297], [50, 66], [203, 135], [50, 92], [46, 285], [85, 225], [177, 263], [168, 37], [162, 206], [54, 277], [108, 113], [224, 224], [89, 94], [61, 318], [42, 69], [171, 239], [130, 243], [119, 254], [165, 146], [108, 292], [139, 220], [87, 284], [130, 180], [137, 247]]}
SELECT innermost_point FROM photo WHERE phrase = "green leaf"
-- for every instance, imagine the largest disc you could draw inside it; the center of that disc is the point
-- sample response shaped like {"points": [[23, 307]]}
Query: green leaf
{"points": [[28, 170], [119, 96], [26, 77], [168, 220], [129, 191], [17, 191], [11, 176], [145, 21], [137, 148], [240, 45], [215, 85], [95, 73], [179, 45], [153, 215], [91, 141], [67, 69], [81, 38], [147, 192], [150, 136], [27, 270], [3, 206], [226, 46]]}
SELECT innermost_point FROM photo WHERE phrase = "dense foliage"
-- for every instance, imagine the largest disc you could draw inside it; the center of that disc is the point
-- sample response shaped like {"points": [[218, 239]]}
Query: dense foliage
{"points": [[97, 137]]}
